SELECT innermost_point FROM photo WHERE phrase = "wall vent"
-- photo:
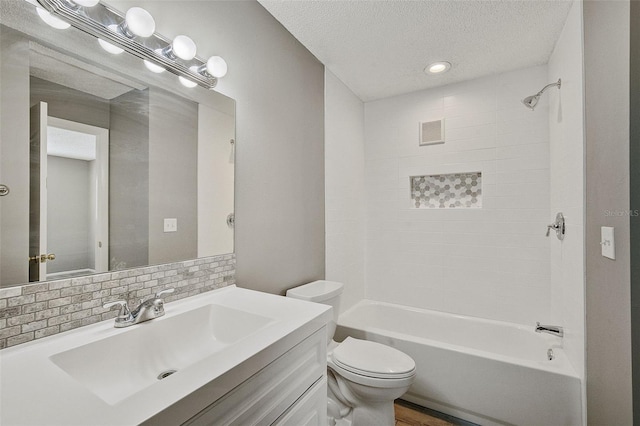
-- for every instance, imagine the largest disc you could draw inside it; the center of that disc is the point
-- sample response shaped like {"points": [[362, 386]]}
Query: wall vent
{"points": [[431, 132]]}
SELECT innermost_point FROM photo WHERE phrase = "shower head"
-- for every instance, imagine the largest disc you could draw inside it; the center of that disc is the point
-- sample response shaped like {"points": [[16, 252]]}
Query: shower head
{"points": [[531, 101]]}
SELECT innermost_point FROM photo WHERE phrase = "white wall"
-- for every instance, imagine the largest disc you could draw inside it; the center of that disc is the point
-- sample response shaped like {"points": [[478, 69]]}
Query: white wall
{"points": [[344, 189], [491, 262], [216, 158], [566, 126], [68, 219]]}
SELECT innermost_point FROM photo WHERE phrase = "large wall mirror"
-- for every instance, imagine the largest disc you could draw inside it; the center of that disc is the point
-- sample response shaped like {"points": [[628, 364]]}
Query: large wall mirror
{"points": [[106, 165]]}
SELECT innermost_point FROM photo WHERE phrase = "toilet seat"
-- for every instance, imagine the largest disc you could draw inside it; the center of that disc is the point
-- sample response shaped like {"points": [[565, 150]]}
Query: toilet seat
{"points": [[372, 360]]}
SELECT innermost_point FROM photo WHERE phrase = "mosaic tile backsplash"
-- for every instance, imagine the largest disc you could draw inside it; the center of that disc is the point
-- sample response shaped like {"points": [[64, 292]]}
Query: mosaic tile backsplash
{"points": [[42, 309], [450, 191]]}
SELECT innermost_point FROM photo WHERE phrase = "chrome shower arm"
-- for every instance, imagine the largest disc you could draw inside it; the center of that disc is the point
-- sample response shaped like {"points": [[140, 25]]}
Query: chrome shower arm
{"points": [[531, 101], [557, 83]]}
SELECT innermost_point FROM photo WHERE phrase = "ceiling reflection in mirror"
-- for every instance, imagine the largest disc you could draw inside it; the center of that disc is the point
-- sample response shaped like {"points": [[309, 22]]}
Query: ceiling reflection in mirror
{"points": [[109, 166]]}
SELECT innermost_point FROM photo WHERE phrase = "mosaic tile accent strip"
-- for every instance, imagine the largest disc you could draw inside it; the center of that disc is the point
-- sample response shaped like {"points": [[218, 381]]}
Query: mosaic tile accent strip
{"points": [[451, 191], [42, 309]]}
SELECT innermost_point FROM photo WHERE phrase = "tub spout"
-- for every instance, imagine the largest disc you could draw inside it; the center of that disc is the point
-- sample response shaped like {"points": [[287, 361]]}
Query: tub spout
{"points": [[551, 329]]}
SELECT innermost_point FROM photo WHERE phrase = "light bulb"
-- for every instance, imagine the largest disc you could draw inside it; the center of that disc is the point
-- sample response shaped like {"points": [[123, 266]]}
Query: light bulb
{"points": [[187, 83], [153, 67], [183, 47], [115, 50], [51, 20], [86, 3], [140, 22], [217, 67]]}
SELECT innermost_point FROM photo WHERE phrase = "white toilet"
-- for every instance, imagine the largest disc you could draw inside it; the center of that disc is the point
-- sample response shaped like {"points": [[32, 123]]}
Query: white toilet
{"points": [[364, 377]]}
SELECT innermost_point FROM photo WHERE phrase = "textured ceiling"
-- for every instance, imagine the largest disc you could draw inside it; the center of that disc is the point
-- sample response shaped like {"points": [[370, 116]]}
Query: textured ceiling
{"points": [[380, 48]]}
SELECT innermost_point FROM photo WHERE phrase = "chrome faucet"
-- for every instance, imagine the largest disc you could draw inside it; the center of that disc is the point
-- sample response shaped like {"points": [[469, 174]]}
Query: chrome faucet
{"points": [[551, 329], [147, 310]]}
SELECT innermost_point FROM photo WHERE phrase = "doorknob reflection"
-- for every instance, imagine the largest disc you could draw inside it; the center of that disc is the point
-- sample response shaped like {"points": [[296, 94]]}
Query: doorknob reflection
{"points": [[42, 258]]}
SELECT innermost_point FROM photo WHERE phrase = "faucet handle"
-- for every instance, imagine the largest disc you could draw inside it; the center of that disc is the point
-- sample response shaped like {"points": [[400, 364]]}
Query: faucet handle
{"points": [[167, 291], [124, 308], [558, 226]]}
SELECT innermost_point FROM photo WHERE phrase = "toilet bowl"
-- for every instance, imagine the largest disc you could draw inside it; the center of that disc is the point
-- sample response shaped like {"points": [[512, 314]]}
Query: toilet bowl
{"points": [[364, 378]]}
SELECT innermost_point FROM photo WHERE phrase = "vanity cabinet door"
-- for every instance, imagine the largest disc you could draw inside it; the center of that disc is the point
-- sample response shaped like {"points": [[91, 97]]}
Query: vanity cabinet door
{"points": [[269, 393], [310, 410]]}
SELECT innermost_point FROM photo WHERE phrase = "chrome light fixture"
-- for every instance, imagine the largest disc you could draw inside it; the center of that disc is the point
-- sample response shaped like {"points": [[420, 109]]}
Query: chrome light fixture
{"points": [[52, 20], [215, 66], [134, 32], [86, 3], [137, 22], [181, 47]]}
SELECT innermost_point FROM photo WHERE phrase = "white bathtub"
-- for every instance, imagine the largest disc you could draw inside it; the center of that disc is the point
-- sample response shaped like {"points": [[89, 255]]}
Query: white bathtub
{"points": [[484, 371]]}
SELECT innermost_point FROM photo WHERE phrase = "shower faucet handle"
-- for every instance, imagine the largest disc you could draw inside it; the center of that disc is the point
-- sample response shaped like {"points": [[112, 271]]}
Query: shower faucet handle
{"points": [[558, 226]]}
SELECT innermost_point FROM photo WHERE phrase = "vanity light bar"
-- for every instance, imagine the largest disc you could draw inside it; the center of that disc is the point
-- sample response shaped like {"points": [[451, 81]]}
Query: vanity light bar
{"points": [[98, 19]]}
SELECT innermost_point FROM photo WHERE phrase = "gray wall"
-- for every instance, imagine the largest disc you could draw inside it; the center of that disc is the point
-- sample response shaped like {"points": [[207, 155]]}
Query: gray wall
{"points": [[634, 157], [173, 146], [14, 159], [153, 175], [606, 56], [129, 172], [278, 86]]}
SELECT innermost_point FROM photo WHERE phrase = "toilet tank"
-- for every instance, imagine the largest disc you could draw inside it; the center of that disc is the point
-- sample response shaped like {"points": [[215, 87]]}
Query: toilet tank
{"points": [[325, 292]]}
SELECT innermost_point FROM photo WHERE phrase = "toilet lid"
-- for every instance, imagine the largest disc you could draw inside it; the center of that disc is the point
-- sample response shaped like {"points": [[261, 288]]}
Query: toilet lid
{"points": [[373, 359]]}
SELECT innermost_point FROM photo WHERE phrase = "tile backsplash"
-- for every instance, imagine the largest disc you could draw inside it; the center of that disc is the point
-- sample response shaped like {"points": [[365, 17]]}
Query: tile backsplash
{"points": [[38, 310]]}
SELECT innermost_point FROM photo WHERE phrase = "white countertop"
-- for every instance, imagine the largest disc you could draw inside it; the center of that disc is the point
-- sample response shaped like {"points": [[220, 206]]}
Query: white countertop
{"points": [[36, 391]]}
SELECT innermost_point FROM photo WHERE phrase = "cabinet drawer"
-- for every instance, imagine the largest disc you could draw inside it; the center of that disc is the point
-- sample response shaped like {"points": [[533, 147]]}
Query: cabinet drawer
{"points": [[310, 410], [270, 392]]}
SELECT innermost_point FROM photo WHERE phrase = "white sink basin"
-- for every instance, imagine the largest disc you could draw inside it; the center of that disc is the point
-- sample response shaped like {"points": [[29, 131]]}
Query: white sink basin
{"points": [[101, 375], [131, 361]]}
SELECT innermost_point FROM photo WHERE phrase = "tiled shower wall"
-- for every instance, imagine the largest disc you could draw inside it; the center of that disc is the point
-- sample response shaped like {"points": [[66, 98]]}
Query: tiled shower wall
{"points": [[566, 125], [490, 262], [39, 310], [344, 189]]}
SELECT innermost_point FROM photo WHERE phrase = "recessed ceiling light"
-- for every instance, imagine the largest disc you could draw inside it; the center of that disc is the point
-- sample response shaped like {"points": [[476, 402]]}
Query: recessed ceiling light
{"points": [[438, 67]]}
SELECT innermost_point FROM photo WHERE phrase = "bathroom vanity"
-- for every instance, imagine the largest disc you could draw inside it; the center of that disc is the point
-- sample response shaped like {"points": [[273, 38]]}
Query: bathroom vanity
{"points": [[229, 356]]}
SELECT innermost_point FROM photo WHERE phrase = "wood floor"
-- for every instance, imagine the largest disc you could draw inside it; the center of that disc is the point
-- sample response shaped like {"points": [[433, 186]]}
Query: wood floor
{"points": [[408, 414]]}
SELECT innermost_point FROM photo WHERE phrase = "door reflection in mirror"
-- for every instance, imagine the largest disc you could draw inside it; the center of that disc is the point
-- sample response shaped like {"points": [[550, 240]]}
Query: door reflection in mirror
{"points": [[77, 198], [70, 194]]}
